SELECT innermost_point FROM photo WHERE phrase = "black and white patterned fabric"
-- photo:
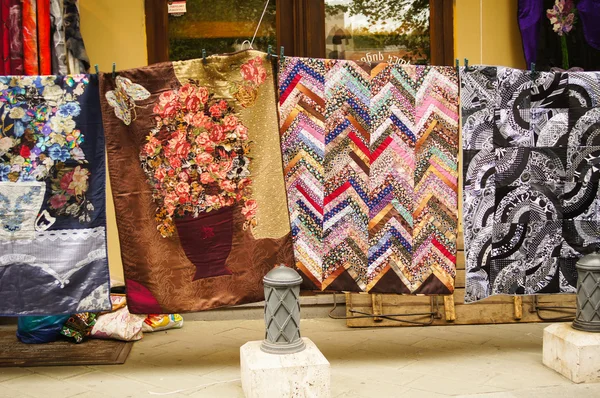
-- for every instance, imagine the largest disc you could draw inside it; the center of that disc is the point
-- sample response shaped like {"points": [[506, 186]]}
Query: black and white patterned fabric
{"points": [[531, 150]]}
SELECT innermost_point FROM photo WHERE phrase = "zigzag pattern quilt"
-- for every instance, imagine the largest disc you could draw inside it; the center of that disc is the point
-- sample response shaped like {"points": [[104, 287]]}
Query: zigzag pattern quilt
{"points": [[370, 163], [531, 145]]}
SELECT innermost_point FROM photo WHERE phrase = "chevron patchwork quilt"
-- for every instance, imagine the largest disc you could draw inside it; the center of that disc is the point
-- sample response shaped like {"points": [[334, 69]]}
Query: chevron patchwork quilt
{"points": [[531, 145], [370, 163]]}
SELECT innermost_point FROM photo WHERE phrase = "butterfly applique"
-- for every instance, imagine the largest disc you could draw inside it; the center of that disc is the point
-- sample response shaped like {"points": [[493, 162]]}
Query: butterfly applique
{"points": [[123, 98]]}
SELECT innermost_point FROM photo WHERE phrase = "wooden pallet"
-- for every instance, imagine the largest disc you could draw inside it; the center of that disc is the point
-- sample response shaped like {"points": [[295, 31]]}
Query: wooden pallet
{"points": [[451, 310]]}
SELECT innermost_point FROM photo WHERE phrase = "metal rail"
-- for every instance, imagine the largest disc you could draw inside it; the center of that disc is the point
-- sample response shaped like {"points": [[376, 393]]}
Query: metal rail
{"points": [[569, 312]]}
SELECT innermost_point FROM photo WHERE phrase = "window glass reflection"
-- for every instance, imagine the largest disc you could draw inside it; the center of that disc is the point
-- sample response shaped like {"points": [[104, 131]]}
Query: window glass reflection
{"points": [[378, 30], [220, 26]]}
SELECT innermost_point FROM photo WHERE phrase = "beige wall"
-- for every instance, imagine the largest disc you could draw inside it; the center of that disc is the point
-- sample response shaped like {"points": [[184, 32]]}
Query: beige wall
{"points": [[486, 32], [114, 31]]}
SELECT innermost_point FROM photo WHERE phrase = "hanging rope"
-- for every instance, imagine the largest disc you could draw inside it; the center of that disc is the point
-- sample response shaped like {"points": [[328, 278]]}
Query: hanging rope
{"points": [[259, 22]]}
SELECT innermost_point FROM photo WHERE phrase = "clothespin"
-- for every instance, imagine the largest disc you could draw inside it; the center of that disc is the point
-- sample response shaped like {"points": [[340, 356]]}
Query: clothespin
{"points": [[532, 67], [96, 67], [466, 63], [203, 55], [457, 65], [114, 71], [281, 56], [269, 49]]}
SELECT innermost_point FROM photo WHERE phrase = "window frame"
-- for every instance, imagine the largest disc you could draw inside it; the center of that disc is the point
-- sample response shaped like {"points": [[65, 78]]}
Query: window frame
{"points": [[300, 28]]}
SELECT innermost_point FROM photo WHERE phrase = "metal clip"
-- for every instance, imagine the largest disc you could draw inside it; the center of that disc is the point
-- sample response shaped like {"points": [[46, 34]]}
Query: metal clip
{"points": [[203, 55], [281, 56], [114, 70], [96, 67], [269, 50]]}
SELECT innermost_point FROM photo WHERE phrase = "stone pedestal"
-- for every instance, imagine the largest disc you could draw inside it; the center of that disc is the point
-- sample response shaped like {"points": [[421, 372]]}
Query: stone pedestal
{"points": [[572, 353], [303, 374]]}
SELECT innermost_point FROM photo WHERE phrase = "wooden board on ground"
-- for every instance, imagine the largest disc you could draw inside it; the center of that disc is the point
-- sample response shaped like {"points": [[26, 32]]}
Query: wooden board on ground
{"points": [[13, 353], [452, 310]]}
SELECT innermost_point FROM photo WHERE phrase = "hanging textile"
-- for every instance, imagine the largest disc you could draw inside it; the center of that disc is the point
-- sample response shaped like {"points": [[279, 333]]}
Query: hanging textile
{"points": [[77, 58], [560, 33], [4, 37], [193, 153], [44, 37], [15, 29], [59, 52], [531, 147], [30, 38], [52, 202], [370, 161]]}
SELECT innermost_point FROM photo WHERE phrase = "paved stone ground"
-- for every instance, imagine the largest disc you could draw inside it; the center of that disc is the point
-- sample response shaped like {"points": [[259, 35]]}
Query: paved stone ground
{"points": [[202, 360]]}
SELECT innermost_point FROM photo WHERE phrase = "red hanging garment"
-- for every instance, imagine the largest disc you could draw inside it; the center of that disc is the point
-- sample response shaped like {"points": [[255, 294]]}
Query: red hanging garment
{"points": [[43, 26], [4, 37], [30, 44], [15, 29]]}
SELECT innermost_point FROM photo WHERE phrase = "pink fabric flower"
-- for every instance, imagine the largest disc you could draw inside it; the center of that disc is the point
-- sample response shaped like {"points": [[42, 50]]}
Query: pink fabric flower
{"points": [[212, 200], [213, 168], [160, 174], [215, 111], [192, 103], [206, 178], [182, 189], [228, 185], [217, 133], [200, 120], [230, 122], [253, 71], [58, 201], [151, 146], [202, 139], [178, 145], [226, 165], [183, 176], [65, 183], [186, 91], [204, 158], [249, 209], [242, 131], [202, 94], [174, 162], [166, 98]]}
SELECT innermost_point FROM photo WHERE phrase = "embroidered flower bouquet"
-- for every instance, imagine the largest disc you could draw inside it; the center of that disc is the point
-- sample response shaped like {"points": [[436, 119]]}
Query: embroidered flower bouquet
{"points": [[196, 157]]}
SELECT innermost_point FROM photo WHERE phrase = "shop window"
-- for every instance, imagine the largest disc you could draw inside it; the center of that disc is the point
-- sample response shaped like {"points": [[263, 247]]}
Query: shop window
{"points": [[220, 26], [416, 31], [378, 30]]}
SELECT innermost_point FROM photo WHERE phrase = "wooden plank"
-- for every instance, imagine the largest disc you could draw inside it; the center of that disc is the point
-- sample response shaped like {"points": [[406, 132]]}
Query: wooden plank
{"points": [[518, 304], [495, 309], [449, 308], [376, 302]]}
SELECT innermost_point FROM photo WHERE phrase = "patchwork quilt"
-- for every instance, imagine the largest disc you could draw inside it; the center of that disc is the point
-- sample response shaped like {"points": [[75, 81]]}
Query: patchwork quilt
{"points": [[52, 202], [370, 162], [196, 175], [531, 145]]}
